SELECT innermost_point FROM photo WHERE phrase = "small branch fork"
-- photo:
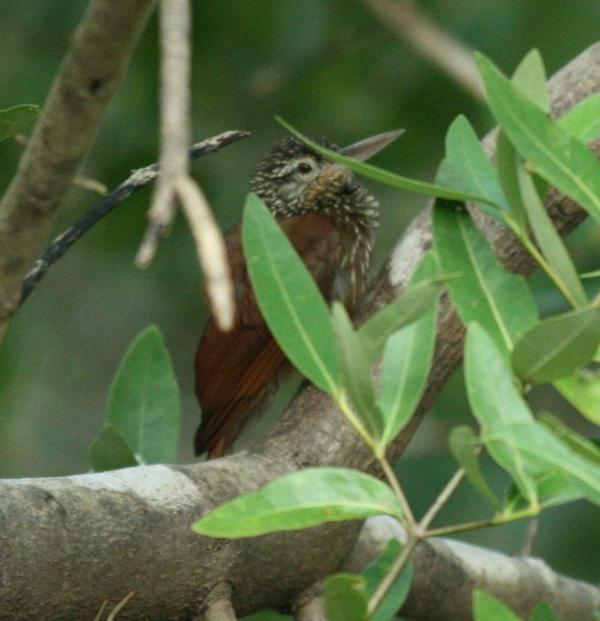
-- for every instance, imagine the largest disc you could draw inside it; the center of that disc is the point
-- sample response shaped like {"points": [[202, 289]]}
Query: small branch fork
{"points": [[174, 182], [139, 179]]}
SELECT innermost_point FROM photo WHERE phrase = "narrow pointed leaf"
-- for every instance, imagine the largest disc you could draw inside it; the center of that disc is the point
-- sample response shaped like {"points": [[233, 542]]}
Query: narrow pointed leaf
{"points": [[377, 571], [500, 302], [345, 598], [405, 309], [406, 363], [288, 297], [549, 240], [496, 404], [507, 162], [558, 345], [573, 440], [144, 403], [465, 155], [488, 608], [583, 120], [357, 373], [16, 119], [530, 78], [299, 500], [463, 444], [562, 160], [542, 612], [384, 176], [110, 451]]}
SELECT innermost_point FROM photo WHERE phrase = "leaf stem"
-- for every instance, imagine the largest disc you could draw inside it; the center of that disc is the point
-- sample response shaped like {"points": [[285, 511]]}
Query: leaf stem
{"points": [[398, 491], [441, 500]]}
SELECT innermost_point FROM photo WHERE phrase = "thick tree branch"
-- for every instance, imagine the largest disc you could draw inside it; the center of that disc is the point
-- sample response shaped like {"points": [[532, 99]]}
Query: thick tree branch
{"points": [[60, 537]]}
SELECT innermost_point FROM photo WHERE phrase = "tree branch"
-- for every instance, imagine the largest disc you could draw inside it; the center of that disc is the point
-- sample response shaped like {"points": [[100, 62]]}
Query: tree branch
{"points": [[60, 537], [89, 76]]}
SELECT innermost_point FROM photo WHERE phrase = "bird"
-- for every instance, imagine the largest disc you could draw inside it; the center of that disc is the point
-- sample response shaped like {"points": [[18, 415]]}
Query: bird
{"points": [[330, 219]]}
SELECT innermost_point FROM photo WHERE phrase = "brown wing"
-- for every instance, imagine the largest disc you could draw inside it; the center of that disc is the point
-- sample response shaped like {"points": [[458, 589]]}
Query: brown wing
{"points": [[235, 368]]}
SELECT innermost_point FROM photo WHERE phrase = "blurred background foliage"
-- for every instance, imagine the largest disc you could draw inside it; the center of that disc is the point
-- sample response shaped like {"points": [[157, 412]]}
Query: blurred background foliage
{"points": [[331, 68]]}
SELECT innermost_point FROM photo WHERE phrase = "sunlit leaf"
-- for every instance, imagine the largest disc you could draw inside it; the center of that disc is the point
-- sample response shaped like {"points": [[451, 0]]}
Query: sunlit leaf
{"points": [[288, 297], [582, 391], [384, 176], [558, 345], [562, 160], [345, 598], [530, 78], [488, 608], [144, 404], [406, 362], [496, 404], [299, 500], [500, 302], [582, 121], [573, 440], [463, 444], [110, 451], [357, 373], [16, 119]]}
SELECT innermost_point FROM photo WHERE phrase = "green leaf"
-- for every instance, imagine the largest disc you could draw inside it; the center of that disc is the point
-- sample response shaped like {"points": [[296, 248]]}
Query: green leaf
{"points": [[573, 440], [16, 119], [530, 78], [496, 403], [550, 241], [288, 297], [486, 293], [558, 345], [345, 598], [542, 612], [357, 373], [405, 309], [384, 176], [488, 608], [144, 402], [583, 120], [558, 157], [582, 391], [110, 451], [463, 444], [397, 593], [507, 161], [406, 362], [299, 500], [267, 615], [465, 156], [543, 453]]}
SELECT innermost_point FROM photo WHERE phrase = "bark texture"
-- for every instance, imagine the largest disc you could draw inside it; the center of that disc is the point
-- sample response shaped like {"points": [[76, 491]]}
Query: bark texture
{"points": [[67, 544]]}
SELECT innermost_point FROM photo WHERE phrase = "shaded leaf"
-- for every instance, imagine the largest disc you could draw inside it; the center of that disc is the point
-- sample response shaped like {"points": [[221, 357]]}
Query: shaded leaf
{"points": [[406, 362], [345, 597], [377, 571], [583, 120], [582, 391], [542, 612], [496, 404], [110, 451], [299, 500], [488, 608], [559, 158], [288, 297], [384, 176], [558, 345], [357, 373], [500, 302], [464, 444], [507, 162], [144, 404], [16, 119], [573, 440], [549, 240], [530, 78]]}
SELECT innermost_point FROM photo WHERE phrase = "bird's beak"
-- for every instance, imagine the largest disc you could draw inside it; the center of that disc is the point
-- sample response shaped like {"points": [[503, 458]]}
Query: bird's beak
{"points": [[364, 149]]}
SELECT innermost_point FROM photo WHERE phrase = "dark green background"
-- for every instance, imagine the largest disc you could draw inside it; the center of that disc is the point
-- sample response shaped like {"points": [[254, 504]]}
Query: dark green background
{"points": [[327, 66]]}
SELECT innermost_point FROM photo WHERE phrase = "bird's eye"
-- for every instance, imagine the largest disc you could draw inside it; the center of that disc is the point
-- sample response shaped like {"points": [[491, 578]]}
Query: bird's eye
{"points": [[304, 168]]}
